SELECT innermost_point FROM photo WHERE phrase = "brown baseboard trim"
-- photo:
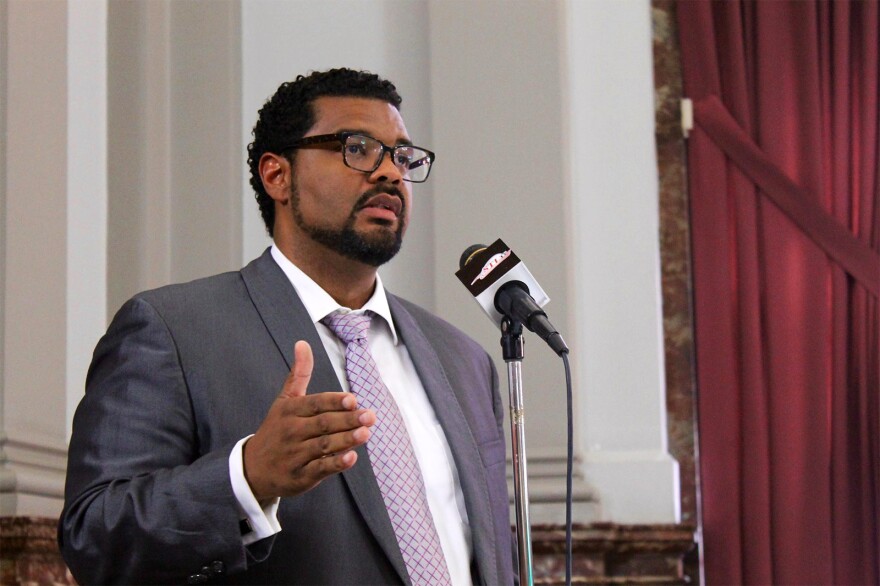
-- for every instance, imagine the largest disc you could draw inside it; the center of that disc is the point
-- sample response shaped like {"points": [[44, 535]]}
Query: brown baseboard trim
{"points": [[608, 553]]}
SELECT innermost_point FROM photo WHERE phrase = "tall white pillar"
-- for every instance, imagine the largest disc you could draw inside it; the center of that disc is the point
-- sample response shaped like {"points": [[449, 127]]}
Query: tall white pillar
{"points": [[121, 172], [86, 190], [35, 258], [55, 227], [615, 260]]}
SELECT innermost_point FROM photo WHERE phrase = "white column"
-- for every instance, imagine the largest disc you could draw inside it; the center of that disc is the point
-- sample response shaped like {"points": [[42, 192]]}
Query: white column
{"points": [[64, 250], [55, 234], [206, 152], [86, 190], [615, 261], [35, 252]]}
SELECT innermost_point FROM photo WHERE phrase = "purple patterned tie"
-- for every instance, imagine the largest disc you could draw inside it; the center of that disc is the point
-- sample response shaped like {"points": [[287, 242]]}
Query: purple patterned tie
{"points": [[391, 455]]}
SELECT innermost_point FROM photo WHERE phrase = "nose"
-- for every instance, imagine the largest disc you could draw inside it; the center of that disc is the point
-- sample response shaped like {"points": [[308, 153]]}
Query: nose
{"points": [[387, 171]]}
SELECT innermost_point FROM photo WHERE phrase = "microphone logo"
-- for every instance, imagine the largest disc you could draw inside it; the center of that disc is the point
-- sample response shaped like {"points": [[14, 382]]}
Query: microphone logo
{"points": [[491, 264]]}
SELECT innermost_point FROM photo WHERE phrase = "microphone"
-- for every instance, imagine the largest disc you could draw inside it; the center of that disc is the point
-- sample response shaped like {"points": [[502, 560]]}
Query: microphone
{"points": [[503, 286]]}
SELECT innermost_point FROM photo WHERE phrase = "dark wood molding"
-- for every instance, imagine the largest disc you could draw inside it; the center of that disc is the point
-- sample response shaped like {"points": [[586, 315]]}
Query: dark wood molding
{"points": [[608, 553], [603, 553], [29, 552]]}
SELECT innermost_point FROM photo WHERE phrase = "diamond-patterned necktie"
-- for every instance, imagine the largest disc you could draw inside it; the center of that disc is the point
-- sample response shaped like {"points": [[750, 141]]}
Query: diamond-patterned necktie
{"points": [[391, 455]]}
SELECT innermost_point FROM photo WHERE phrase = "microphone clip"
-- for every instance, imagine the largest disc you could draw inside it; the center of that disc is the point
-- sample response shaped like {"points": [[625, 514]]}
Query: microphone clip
{"points": [[512, 341]]}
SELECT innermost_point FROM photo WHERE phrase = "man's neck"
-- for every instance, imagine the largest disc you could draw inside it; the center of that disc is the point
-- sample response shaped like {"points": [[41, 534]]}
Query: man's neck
{"points": [[350, 283]]}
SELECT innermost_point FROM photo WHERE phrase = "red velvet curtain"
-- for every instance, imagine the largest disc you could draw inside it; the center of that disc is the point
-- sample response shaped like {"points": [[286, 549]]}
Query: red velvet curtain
{"points": [[785, 214]]}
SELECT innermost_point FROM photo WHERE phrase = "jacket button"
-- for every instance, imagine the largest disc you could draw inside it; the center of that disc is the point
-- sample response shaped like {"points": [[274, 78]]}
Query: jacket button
{"points": [[197, 579], [217, 568]]}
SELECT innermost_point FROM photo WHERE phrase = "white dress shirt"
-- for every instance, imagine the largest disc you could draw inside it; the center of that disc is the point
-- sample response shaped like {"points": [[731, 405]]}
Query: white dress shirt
{"points": [[395, 366]]}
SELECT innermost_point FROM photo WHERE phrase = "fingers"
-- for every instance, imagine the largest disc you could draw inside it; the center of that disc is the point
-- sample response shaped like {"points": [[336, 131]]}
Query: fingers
{"points": [[328, 455], [326, 445], [287, 464], [323, 443], [300, 372], [322, 468]]}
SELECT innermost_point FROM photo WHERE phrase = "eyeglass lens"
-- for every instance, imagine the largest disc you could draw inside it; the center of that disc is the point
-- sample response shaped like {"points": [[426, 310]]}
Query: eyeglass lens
{"points": [[365, 154]]}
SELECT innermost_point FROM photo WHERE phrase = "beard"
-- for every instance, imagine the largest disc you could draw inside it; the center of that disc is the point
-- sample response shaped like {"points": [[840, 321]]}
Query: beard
{"points": [[374, 249]]}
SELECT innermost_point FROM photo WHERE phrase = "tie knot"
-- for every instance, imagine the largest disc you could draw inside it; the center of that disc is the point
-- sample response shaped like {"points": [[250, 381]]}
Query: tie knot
{"points": [[348, 327]]}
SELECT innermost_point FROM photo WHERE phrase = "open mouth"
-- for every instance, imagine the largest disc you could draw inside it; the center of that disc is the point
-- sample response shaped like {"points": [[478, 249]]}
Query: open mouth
{"points": [[384, 205]]}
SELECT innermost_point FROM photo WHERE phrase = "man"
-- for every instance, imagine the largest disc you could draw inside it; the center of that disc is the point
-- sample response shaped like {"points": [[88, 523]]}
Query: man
{"points": [[293, 422]]}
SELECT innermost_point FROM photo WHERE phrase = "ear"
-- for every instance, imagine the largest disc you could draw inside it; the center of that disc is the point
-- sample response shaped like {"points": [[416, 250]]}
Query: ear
{"points": [[276, 175]]}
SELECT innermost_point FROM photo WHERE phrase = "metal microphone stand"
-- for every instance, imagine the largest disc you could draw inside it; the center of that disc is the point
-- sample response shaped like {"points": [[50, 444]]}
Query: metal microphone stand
{"points": [[512, 350]]}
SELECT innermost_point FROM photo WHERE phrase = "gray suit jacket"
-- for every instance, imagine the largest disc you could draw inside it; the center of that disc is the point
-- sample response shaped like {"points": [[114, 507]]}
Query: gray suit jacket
{"points": [[186, 371]]}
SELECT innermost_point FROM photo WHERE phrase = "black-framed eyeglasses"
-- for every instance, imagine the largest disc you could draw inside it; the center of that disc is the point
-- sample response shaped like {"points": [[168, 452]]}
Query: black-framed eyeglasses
{"points": [[365, 153]]}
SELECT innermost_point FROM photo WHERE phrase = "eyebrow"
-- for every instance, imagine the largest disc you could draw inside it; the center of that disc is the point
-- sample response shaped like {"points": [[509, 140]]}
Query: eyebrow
{"points": [[400, 141]]}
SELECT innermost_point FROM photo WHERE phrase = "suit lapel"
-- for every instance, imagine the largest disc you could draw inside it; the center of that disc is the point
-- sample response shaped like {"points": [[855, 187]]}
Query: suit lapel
{"points": [[287, 320], [447, 406]]}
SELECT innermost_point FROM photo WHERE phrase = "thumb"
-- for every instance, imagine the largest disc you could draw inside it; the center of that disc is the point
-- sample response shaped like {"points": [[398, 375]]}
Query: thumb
{"points": [[300, 372]]}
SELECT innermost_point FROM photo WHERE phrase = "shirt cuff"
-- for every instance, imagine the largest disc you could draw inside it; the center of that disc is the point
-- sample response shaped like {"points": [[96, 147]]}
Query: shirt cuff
{"points": [[261, 522]]}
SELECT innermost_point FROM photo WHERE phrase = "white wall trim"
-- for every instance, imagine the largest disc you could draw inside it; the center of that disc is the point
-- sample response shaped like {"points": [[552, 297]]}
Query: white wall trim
{"points": [[32, 476], [547, 488], [638, 486]]}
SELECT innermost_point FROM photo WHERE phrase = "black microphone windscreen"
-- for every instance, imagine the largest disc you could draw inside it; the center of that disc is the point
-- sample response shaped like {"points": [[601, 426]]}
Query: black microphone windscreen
{"points": [[469, 253]]}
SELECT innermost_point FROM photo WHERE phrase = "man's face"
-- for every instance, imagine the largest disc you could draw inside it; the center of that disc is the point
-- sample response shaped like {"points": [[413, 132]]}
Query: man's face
{"points": [[361, 216]]}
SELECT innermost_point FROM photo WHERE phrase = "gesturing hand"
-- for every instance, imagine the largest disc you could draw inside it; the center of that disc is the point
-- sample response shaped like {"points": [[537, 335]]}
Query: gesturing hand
{"points": [[304, 438]]}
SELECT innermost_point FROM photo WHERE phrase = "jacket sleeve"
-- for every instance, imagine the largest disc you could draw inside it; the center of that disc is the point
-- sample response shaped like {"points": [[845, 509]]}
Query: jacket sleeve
{"points": [[143, 503]]}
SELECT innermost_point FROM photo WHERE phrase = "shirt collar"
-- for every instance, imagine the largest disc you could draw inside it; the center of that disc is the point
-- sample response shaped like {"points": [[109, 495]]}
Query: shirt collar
{"points": [[319, 303]]}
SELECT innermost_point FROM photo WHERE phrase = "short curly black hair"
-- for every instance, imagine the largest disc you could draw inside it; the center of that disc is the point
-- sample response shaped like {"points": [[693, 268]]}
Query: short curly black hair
{"points": [[289, 114]]}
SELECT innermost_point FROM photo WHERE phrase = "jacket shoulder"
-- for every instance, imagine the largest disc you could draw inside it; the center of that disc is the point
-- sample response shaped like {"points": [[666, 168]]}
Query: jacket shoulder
{"points": [[215, 286], [217, 290]]}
